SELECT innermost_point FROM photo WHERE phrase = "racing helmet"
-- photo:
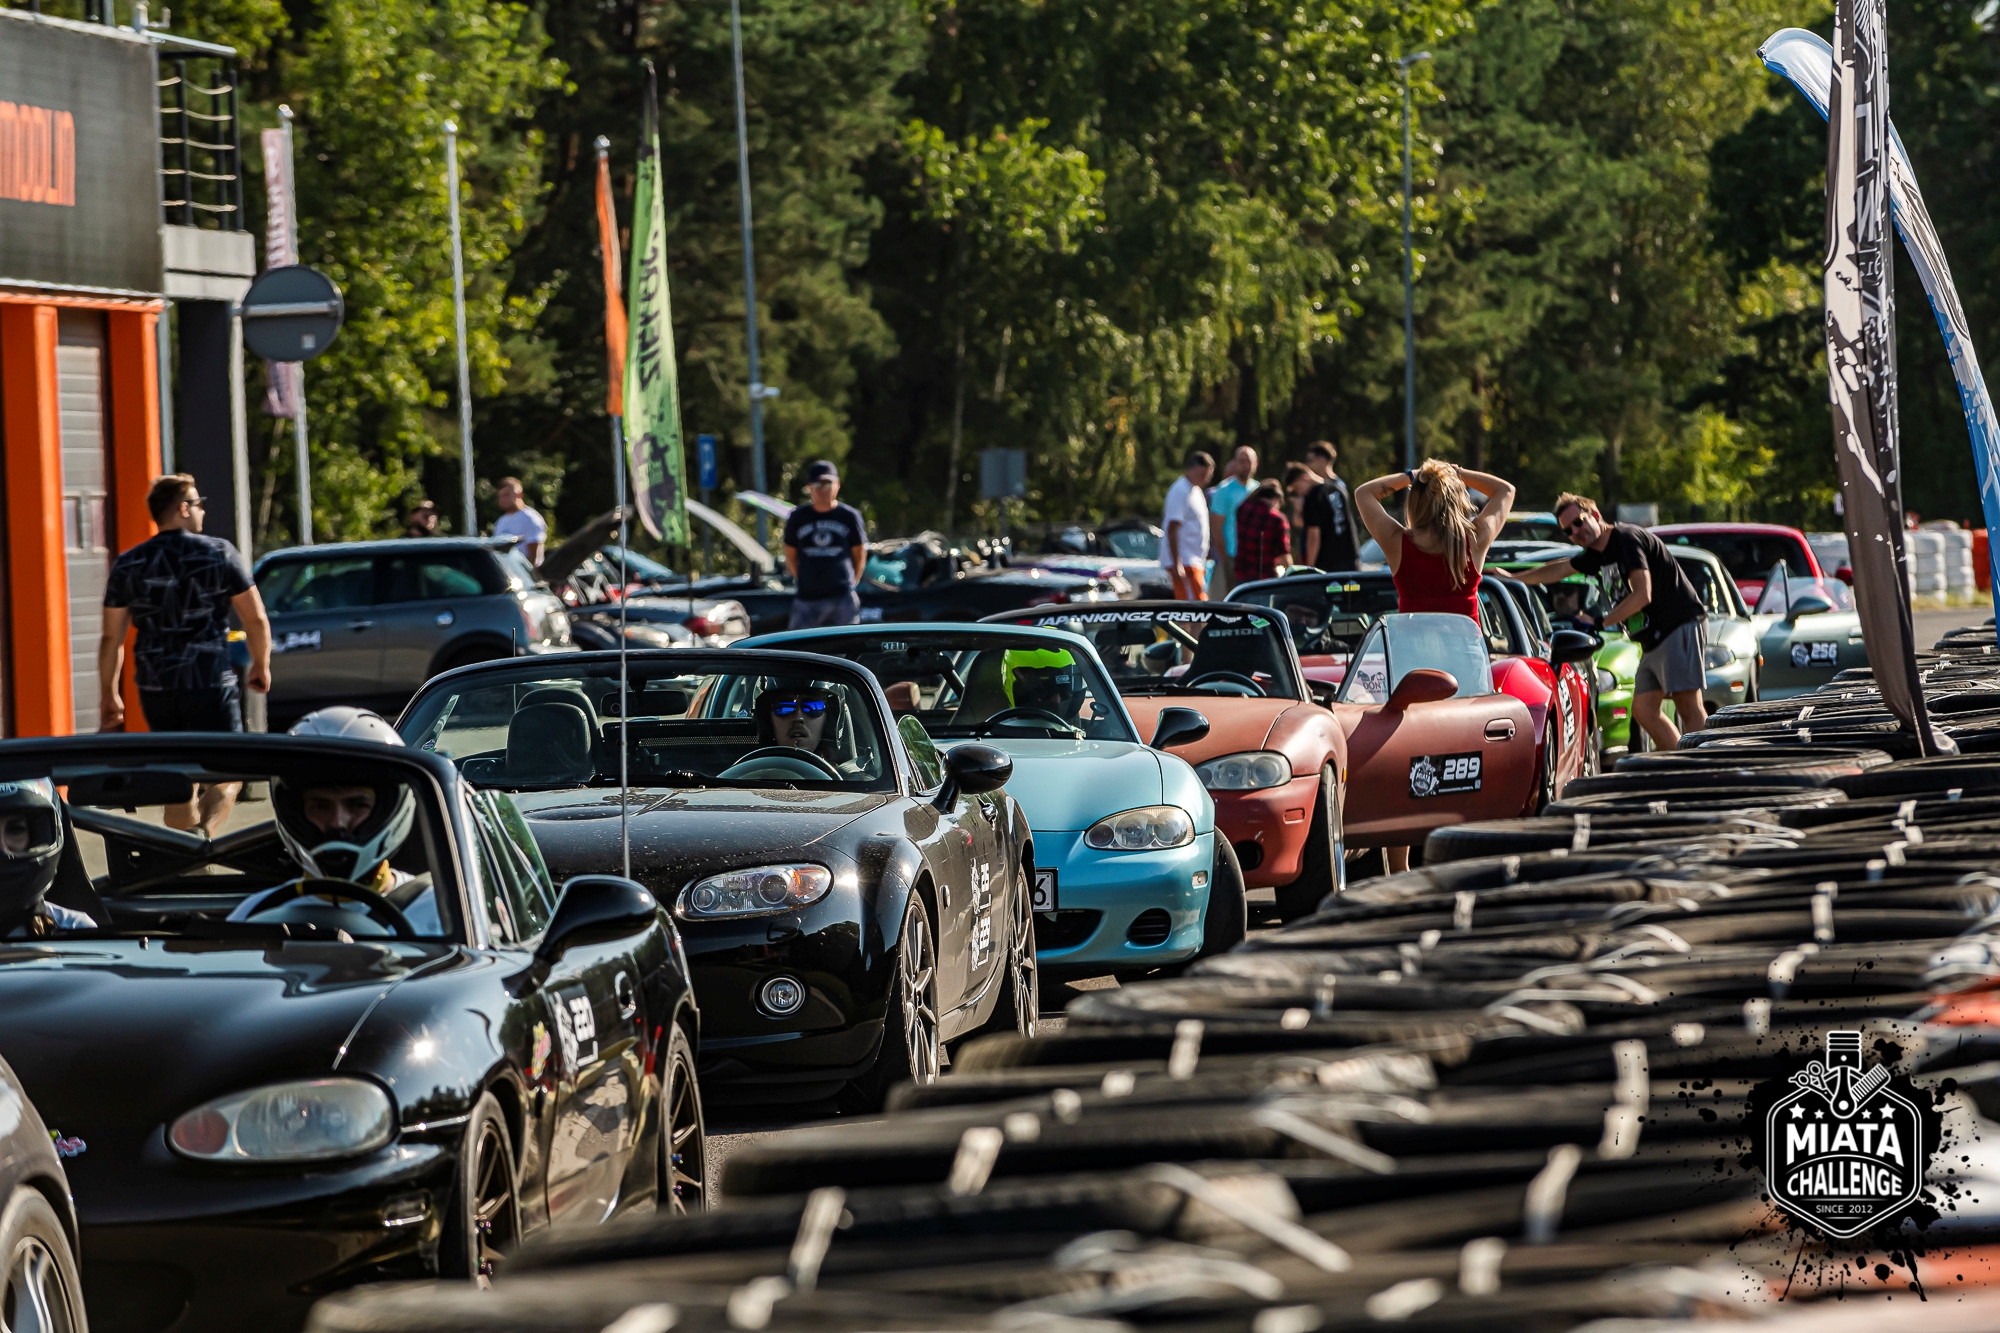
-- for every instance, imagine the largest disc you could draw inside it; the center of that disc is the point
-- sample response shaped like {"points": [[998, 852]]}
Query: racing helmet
{"points": [[351, 854], [28, 869], [1045, 678]]}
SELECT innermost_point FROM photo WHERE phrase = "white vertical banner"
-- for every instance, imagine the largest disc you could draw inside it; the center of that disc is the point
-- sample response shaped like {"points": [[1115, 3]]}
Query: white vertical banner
{"points": [[1861, 356], [281, 378]]}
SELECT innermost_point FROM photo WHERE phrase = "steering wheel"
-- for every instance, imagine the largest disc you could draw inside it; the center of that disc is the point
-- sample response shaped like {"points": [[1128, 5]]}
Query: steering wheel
{"points": [[374, 904], [1055, 720], [782, 761], [1228, 678]]}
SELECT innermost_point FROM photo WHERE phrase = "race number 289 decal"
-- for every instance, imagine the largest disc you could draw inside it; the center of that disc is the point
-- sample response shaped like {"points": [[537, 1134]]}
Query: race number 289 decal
{"points": [[1444, 774]]}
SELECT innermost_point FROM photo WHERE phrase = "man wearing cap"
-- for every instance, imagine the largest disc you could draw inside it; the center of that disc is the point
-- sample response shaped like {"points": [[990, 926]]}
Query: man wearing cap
{"points": [[826, 548]]}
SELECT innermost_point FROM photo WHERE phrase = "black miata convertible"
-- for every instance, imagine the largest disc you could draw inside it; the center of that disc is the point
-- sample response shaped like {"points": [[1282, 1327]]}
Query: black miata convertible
{"points": [[357, 1035], [850, 900]]}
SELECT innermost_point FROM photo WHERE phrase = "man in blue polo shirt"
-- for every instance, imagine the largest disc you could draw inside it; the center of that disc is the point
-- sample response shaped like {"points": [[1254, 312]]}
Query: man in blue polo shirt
{"points": [[826, 548]]}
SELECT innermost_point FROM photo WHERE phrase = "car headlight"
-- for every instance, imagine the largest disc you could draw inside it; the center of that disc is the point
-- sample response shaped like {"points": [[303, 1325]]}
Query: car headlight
{"points": [[1606, 682], [310, 1120], [753, 892], [1150, 828], [1249, 771], [1719, 656]]}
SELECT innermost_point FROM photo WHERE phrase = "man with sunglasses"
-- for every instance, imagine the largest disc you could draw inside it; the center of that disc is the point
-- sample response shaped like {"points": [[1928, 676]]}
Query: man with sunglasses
{"points": [[826, 548], [794, 717], [1671, 634]]}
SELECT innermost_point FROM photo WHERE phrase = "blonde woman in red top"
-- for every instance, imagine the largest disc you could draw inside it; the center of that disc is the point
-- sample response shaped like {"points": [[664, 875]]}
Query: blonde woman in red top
{"points": [[1435, 558]]}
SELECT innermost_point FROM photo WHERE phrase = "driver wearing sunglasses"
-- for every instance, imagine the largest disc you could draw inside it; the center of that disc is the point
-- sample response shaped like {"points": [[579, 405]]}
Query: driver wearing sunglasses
{"points": [[795, 717]]}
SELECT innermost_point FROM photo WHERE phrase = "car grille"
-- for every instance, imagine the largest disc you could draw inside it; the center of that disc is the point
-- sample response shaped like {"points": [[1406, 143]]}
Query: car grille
{"points": [[1064, 930], [1149, 928]]}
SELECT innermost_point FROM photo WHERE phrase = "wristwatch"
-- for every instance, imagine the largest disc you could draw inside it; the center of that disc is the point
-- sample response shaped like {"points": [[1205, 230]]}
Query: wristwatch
{"points": [[1410, 476]]}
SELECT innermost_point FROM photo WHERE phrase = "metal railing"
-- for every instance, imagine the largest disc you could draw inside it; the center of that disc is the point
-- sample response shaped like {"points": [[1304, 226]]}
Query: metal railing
{"points": [[201, 146]]}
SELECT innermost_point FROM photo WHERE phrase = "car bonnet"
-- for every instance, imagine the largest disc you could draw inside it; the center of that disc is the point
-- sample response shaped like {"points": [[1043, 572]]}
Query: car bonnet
{"points": [[1068, 785]]}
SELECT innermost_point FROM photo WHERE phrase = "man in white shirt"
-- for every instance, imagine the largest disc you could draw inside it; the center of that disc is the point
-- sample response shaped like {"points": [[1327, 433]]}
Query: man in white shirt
{"points": [[1184, 547], [517, 519]]}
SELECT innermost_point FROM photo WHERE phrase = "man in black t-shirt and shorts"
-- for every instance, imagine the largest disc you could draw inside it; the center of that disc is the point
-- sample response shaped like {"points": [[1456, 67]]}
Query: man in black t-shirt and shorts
{"points": [[826, 548], [1674, 650]]}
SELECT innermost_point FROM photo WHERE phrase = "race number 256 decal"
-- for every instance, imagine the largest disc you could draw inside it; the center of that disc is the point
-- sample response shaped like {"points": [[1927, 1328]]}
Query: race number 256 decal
{"points": [[1444, 774]]}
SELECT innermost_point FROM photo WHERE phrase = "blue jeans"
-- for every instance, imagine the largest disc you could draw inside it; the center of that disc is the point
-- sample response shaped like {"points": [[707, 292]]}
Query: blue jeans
{"points": [[814, 612]]}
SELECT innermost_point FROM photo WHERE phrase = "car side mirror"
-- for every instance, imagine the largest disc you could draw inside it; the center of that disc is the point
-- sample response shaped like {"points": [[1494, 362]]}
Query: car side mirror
{"points": [[593, 909], [1423, 685], [1845, 575], [1179, 726], [1573, 646], [971, 770], [1809, 605], [1323, 692]]}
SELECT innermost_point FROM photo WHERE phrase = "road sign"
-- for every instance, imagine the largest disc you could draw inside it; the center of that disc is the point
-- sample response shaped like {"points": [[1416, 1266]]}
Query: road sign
{"points": [[1003, 474], [704, 448], [291, 313]]}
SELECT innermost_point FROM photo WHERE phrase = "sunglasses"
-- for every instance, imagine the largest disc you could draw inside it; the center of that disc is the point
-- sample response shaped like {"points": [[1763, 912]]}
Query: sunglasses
{"points": [[1569, 528], [794, 707]]}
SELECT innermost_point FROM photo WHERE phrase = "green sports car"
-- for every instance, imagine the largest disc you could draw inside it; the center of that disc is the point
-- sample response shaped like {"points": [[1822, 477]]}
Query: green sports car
{"points": [[1615, 663], [1809, 633]]}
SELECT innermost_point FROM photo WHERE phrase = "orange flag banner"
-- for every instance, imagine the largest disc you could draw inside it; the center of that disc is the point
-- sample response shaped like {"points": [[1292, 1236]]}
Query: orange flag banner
{"points": [[614, 285]]}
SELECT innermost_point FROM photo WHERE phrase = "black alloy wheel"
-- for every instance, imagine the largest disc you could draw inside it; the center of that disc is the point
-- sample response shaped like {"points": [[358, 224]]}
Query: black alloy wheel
{"points": [[1323, 868], [683, 1166], [1019, 1009], [485, 1218], [39, 1289], [911, 1050]]}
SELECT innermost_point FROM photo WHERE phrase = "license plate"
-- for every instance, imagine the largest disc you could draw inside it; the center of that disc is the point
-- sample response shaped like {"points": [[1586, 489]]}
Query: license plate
{"points": [[1815, 654], [1042, 897], [1444, 774]]}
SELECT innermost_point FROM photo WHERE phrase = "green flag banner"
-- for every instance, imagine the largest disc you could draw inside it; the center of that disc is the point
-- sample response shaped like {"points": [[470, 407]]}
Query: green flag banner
{"points": [[652, 385]]}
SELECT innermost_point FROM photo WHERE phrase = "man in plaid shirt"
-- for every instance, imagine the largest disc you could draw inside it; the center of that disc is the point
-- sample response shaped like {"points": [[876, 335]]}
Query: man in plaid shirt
{"points": [[1263, 535]]}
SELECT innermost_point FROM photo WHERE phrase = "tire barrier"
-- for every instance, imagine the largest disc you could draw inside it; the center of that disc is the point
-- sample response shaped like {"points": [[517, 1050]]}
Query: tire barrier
{"points": [[1505, 1089]]}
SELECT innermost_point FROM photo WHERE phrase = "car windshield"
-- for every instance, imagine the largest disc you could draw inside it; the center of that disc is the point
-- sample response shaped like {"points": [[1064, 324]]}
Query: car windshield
{"points": [[1133, 543], [1562, 600], [1749, 555], [1404, 642], [1533, 527], [291, 836], [552, 726], [639, 567], [1327, 618], [1230, 650], [1718, 595], [989, 683], [1780, 595]]}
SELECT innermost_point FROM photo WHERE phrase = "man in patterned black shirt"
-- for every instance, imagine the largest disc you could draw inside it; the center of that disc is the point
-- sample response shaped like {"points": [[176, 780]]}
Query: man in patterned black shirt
{"points": [[177, 589]]}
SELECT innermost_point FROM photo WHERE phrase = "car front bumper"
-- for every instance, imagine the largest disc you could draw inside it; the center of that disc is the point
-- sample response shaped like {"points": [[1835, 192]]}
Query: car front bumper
{"points": [[1268, 829], [1099, 895], [178, 1245]]}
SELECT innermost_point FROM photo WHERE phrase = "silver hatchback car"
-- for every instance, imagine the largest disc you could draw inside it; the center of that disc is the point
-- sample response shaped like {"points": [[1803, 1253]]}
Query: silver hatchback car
{"points": [[366, 623]]}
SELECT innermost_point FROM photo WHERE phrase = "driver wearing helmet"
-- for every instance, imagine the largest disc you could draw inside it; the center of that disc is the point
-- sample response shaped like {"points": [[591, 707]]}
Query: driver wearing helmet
{"points": [[346, 827], [31, 845], [1046, 680]]}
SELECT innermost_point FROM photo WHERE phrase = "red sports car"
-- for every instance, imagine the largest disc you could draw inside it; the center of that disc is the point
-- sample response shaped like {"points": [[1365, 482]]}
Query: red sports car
{"points": [[1330, 614], [1749, 550]]}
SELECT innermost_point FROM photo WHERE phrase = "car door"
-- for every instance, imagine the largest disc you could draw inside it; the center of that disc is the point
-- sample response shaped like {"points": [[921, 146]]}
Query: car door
{"points": [[594, 1026], [1428, 764], [325, 643], [426, 600]]}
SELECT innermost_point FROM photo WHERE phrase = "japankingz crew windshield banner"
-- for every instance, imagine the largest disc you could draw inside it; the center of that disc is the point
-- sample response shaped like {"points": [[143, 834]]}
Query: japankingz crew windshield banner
{"points": [[652, 384], [1861, 356], [1807, 61]]}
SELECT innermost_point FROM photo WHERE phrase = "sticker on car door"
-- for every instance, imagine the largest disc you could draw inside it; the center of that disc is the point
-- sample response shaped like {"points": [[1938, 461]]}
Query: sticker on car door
{"points": [[1042, 897], [1444, 774], [1815, 654], [296, 641]]}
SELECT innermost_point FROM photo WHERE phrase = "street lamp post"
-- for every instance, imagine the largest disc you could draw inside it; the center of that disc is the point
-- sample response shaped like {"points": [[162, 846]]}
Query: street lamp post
{"points": [[1409, 308], [458, 311], [758, 390]]}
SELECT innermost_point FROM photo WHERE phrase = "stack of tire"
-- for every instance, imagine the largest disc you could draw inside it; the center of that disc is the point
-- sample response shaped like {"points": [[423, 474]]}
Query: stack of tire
{"points": [[1510, 1089]]}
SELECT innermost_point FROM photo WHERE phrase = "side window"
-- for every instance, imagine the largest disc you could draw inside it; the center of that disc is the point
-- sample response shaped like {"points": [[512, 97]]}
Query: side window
{"points": [[923, 752], [301, 586], [436, 578], [1367, 679], [1493, 619], [538, 892], [507, 905]]}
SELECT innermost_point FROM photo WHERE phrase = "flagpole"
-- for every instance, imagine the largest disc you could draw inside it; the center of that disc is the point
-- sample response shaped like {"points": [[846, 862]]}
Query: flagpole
{"points": [[458, 302], [624, 681], [615, 335], [758, 393], [299, 417]]}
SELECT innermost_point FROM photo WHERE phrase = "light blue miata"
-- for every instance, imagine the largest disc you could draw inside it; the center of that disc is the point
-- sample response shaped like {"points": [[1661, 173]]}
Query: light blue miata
{"points": [[1129, 875]]}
